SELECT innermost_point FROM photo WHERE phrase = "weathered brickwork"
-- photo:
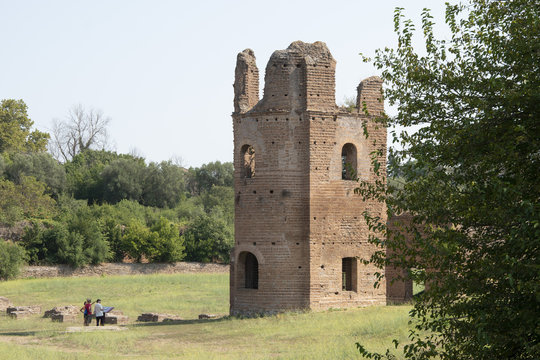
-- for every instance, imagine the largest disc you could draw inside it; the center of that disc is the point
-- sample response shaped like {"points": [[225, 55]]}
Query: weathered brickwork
{"points": [[299, 230]]}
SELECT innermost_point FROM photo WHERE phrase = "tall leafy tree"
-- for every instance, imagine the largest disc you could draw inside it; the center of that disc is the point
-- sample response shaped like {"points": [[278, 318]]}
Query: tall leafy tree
{"points": [[24, 201], [16, 132], [164, 184], [84, 173], [123, 179], [471, 184], [41, 166], [211, 174], [209, 238]]}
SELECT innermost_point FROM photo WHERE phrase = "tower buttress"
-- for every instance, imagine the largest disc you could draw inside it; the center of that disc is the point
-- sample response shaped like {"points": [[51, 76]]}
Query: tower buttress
{"points": [[246, 82], [370, 95]]}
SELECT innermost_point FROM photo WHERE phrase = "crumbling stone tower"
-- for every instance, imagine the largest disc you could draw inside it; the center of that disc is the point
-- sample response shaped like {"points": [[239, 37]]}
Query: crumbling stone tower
{"points": [[299, 229]]}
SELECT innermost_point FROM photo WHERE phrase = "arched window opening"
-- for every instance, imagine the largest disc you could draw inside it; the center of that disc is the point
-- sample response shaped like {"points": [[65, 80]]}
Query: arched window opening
{"points": [[349, 274], [348, 162], [248, 159], [251, 273]]}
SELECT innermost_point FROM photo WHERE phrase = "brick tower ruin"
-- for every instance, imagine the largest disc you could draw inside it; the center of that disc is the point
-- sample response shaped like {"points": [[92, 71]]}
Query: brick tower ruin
{"points": [[299, 230]]}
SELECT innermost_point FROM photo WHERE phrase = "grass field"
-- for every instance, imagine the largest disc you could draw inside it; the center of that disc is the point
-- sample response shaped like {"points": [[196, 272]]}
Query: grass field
{"points": [[309, 335]]}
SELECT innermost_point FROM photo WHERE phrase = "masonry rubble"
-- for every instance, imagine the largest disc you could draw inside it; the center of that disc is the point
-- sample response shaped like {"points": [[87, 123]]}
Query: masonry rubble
{"points": [[19, 312], [68, 313], [116, 317], [157, 317], [207, 316]]}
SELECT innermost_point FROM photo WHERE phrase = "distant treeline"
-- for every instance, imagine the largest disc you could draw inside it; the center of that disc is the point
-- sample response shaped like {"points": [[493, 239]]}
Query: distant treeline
{"points": [[102, 206]]}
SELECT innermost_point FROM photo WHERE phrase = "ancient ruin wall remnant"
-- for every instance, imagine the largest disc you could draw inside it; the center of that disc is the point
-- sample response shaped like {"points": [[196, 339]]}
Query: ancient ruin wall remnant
{"points": [[299, 230], [246, 84]]}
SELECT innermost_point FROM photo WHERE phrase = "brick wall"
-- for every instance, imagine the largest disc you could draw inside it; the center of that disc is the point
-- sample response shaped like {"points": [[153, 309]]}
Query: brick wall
{"points": [[296, 214]]}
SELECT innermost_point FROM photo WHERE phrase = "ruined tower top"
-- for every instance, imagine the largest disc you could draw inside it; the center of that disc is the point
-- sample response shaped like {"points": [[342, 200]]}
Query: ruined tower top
{"points": [[301, 77]]}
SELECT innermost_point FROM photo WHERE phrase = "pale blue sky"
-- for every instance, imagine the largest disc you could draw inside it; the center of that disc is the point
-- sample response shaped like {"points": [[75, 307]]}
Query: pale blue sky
{"points": [[163, 70]]}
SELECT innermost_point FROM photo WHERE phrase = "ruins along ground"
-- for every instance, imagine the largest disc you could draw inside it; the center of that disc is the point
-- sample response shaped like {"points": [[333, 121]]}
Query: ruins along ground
{"points": [[321, 335]]}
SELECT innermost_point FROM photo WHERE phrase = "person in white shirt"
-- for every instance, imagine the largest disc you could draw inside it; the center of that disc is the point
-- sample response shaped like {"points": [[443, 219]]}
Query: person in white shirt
{"points": [[100, 315]]}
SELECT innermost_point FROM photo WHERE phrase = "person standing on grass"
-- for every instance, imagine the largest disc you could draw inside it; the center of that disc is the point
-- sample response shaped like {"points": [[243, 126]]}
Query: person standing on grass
{"points": [[100, 315], [87, 310]]}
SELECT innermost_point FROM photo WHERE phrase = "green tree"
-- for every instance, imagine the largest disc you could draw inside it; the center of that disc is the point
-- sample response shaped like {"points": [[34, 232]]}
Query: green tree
{"points": [[12, 258], [24, 201], [208, 175], [84, 173], [135, 240], [159, 243], [471, 183], [123, 179], [15, 129], [166, 242], [209, 238], [42, 166], [164, 185], [83, 227], [219, 197]]}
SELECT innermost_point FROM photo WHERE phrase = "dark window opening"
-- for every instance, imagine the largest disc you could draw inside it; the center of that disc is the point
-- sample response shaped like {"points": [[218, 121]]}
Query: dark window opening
{"points": [[248, 159], [348, 274], [251, 272], [348, 162]]}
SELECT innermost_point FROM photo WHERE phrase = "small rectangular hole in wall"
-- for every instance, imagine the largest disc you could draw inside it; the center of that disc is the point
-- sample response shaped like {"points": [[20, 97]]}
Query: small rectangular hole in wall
{"points": [[254, 243], [273, 243]]}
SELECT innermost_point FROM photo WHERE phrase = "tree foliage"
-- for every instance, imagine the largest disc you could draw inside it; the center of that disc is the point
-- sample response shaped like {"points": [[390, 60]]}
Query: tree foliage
{"points": [[208, 238], [211, 174], [12, 258], [15, 129], [42, 166], [25, 200], [471, 181], [159, 243], [76, 240], [84, 173], [123, 179], [164, 185]]}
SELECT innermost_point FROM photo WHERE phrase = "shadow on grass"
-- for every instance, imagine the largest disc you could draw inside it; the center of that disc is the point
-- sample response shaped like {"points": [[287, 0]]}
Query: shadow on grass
{"points": [[181, 322], [19, 333]]}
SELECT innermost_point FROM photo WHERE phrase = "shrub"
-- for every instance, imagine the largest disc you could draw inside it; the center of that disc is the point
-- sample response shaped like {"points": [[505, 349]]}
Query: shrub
{"points": [[77, 241], [160, 243], [166, 242], [209, 238], [12, 258]]}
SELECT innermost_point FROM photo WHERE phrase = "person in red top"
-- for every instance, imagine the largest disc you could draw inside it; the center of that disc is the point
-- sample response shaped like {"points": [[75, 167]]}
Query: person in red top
{"points": [[87, 308]]}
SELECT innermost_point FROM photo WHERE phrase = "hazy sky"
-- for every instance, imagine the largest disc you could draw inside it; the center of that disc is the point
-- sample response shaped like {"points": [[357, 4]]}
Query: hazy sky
{"points": [[163, 70]]}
